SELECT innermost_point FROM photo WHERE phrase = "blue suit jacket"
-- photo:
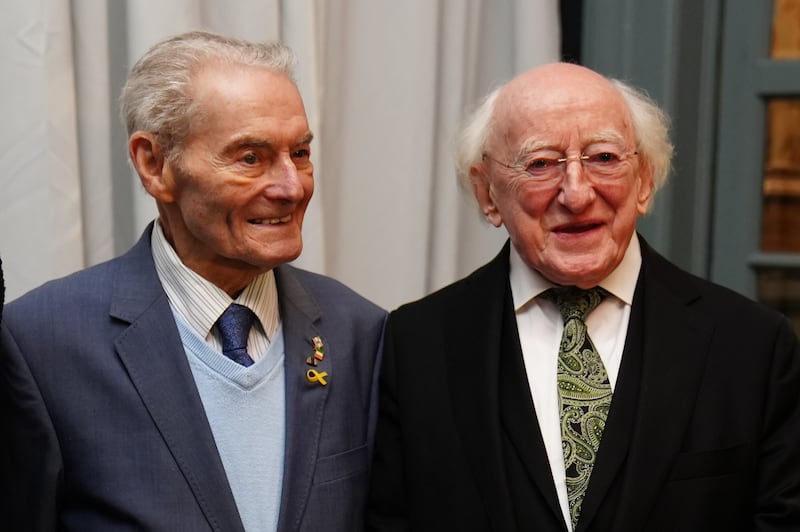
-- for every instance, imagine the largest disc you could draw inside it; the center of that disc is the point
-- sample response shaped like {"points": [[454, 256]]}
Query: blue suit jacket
{"points": [[103, 428]]}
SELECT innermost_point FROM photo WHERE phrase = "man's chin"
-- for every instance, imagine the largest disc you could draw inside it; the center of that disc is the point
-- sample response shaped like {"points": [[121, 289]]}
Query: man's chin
{"points": [[581, 274], [278, 256]]}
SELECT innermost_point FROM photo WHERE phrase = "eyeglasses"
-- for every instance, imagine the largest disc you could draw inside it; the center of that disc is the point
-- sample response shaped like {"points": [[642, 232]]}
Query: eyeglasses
{"points": [[602, 163]]}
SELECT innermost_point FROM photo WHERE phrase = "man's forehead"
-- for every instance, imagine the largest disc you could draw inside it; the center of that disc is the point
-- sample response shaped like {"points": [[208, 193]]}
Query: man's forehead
{"points": [[549, 111], [215, 81], [557, 84]]}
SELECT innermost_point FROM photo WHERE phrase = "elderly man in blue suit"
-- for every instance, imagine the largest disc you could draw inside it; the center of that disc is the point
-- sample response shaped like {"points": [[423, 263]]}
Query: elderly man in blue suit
{"points": [[197, 382]]}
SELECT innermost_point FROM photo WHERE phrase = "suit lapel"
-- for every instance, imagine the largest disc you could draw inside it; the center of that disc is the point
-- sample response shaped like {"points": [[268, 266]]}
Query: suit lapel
{"points": [[619, 426], [153, 354], [675, 345], [305, 400], [519, 415], [488, 391]]}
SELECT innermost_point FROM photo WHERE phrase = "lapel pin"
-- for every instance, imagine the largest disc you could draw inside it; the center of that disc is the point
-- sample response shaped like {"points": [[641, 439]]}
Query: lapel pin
{"points": [[317, 376], [319, 348], [313, 360], [319, 352]]}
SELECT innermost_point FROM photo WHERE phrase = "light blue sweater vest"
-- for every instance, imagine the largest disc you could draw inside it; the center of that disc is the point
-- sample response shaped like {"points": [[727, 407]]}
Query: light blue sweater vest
{"points": [[246, 410]]}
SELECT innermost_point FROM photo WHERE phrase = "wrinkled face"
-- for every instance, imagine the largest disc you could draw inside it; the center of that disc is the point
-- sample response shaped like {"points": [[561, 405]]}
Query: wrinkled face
{"points": [[239, 191], [572, 221]]}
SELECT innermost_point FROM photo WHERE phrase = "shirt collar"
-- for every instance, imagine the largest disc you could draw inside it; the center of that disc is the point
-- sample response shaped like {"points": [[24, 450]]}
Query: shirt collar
{"points": [[200, 302], [527, 283]]}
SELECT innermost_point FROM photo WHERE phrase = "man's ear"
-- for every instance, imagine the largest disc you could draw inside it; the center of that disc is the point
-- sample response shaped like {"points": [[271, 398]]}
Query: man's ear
{"points": [[148, 159], [482, 189], [646, 186]]}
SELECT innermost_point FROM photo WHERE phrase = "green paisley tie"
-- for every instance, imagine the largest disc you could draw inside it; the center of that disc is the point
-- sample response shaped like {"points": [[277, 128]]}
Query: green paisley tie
{"points": [[583, 389]]}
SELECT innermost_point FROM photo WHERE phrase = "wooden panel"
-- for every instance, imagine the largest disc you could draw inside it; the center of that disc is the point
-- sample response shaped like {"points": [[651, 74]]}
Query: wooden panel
{"points": [[786, 30], [780, 228], [779, 287]]}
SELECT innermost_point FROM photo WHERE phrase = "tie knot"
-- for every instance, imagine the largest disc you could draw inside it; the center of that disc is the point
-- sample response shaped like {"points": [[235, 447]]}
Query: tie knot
{"points": [[234, 327], [575, 302]]}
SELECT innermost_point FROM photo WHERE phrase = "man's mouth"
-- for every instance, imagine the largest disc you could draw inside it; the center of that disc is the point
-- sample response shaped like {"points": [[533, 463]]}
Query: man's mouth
{"points": [[271, 221], [578, 228]]}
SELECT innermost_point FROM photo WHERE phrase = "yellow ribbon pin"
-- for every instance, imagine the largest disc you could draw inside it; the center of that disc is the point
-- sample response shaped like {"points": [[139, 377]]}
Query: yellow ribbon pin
{"points": [[317, 376]]}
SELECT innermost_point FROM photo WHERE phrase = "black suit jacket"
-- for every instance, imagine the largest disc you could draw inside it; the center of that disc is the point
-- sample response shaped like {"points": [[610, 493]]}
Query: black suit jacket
{"points": [[703, 432], [2, 291]]}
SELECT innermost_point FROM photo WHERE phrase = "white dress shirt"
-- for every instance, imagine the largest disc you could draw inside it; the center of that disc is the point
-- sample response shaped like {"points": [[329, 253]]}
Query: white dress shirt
{"points": [[200, 303], [540, 324]]}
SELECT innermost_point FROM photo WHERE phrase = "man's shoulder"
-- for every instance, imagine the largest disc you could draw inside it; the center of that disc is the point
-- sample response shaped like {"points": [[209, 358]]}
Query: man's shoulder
{"points": [[54, 311], [86, 281], [706, 295], [325, 290], [489, 281], [90, 286]]}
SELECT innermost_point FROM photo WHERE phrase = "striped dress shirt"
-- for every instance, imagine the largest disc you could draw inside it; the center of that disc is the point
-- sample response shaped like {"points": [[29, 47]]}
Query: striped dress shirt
{"points": [[200, 303]]}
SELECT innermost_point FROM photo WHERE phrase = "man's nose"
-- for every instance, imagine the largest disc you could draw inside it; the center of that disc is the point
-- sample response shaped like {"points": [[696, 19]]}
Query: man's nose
{"points": [[284, 181], [577, 190]]}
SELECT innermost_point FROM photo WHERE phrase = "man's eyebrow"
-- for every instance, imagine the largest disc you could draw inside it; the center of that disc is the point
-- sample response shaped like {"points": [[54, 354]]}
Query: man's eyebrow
{"points": [[250, 141], [608, 135], [536, 145], [532, 146], [307, 138]]}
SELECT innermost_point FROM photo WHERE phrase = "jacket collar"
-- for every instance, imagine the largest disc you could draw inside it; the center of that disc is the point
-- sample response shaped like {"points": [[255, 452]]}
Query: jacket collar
{"points": [[488, 388], [151, 350], [305, 399]]}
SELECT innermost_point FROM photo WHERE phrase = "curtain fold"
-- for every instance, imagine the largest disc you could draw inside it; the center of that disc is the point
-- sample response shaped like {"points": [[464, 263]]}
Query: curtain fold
{"points": [[385, 86], [40, 202]]}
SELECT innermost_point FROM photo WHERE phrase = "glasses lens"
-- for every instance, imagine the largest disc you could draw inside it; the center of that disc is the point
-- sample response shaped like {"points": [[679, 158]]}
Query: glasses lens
{"points": [[605, 161]]}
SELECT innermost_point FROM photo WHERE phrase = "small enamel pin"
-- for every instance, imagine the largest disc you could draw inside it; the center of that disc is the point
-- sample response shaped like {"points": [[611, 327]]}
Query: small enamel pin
{"points": [[312, 360], [319, 352], [317, 376]]}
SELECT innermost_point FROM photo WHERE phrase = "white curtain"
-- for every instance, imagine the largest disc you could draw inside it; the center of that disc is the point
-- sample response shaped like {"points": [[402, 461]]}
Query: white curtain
{"points": [[385, 83]]}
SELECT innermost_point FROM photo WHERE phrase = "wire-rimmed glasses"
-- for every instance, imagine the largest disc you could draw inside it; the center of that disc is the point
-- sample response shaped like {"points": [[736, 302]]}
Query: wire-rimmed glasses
{"points": [[603, 162]]}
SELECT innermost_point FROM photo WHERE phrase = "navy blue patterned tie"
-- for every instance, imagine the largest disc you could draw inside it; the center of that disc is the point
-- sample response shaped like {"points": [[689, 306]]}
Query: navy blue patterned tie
{"points": [[234, 327]]}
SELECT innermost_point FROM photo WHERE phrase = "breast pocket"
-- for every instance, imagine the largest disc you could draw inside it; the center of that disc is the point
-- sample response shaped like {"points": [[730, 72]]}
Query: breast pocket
{"points": [[341, 466], [707, 490], [338, 496], [712, 463]]}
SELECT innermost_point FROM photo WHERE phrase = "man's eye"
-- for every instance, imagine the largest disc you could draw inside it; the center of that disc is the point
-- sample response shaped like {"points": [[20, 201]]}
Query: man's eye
{"points": [[250, 158], [604, 158], [301, 154], [540, 164]]}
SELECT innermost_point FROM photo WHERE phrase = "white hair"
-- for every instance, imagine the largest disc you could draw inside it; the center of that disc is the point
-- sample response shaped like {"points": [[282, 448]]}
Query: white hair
{"points": [[650, 125]]}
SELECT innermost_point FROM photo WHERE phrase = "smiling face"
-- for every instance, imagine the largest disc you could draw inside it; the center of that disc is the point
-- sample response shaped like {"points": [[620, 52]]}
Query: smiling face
{"points": [[232, 204], [574, 230]]}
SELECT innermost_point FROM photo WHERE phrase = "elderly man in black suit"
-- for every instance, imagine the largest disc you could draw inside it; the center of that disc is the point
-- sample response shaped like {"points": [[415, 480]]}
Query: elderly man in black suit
{"points": [[2, 291], [579, 381]]}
